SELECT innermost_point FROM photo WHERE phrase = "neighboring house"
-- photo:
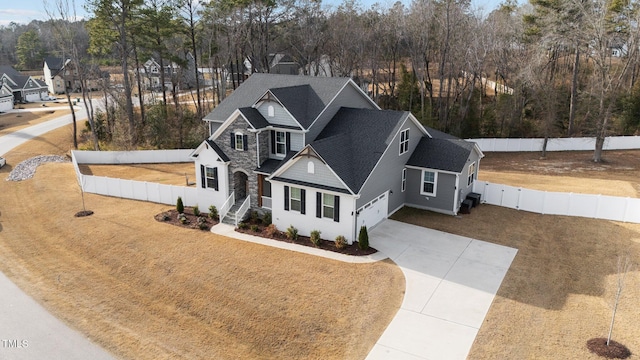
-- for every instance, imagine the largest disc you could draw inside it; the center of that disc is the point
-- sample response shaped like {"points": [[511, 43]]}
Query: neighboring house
{"points": [[320, 154], [150, 74], [6, 97], [283, 64], [23, 87], [59, 73]]}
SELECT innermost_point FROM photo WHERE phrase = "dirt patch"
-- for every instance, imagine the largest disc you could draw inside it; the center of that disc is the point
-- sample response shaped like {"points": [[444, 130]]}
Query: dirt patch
{"points": [[614, 350], [148, 290]]}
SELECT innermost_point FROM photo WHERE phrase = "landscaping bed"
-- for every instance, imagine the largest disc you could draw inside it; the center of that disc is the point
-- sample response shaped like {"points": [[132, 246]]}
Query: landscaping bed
{"points": [[191, 220], [258, 227]]}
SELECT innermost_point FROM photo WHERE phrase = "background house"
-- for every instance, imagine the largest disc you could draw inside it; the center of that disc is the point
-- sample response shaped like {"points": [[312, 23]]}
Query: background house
{"points": [[6, 97], [59, 74], [23, 87]]}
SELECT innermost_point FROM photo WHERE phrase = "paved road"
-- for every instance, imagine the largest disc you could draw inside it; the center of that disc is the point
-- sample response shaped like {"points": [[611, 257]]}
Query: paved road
{"points": [[10, 141], [27, 330]]}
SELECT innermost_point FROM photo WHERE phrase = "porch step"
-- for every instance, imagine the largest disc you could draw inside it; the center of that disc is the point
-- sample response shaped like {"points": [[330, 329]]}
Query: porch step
{"points": [[230, 218]]}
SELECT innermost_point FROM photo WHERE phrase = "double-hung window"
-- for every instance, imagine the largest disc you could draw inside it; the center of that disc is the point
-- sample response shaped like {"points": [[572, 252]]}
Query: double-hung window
{"points": [[472, 174], [404, 180], [294, 199], [429, 179], [209, 177], [281, 143], [239, 142], [328, 206], [404, 141]]}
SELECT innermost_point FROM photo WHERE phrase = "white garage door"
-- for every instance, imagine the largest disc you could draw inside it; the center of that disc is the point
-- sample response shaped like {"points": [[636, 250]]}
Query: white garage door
{"points": [[6, 104], [374, 211], [34, 96]]}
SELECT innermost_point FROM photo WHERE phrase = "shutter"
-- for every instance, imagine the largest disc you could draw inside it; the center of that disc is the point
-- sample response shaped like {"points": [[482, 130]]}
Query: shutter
{"points": [[245, 142], [336, 208], [318, 205], [215, 177], [302, 201], [286, 198], [203, 180], [288, 141], [273, 141], [233, 140]]}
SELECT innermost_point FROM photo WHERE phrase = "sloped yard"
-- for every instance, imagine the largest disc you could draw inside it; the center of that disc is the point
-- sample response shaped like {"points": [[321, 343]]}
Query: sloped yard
{"points": [[147, 290]]}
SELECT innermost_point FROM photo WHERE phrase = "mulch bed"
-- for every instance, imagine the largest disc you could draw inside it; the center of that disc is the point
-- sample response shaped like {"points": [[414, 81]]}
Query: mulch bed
{"points": [[171, 217], [614, 350], [260, 230]]}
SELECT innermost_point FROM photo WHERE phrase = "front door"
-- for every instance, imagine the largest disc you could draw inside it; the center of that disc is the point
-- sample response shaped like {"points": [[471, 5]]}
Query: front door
{"points": [[240, 185]]}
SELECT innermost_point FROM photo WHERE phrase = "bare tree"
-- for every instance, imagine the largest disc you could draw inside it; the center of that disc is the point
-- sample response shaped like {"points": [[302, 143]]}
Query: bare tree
{"points": [[623, 267]]}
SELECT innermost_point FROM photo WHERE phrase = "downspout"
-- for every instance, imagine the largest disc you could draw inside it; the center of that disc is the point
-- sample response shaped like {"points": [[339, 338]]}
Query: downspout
{"points": [[455, 195], [258, 148]]}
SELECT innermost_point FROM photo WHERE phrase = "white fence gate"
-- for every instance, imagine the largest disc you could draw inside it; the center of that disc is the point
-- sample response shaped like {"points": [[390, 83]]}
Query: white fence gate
{"points": [[558, 203]]}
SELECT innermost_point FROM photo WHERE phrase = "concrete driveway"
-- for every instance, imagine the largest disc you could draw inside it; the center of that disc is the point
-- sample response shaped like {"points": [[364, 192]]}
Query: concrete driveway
{"points": [[450, 284]]}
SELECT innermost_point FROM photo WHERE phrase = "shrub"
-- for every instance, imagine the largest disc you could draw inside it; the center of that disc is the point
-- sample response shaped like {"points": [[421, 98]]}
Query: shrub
{"points": [[315, 237], [255, 228], [292, 233], [271, 230], [255, 217], [363, 238], [196, 210], [243, 226], [341, 242], [213, 212], [166, 217], [183, 219], [266, 218], [202, 223], [180, 206]]}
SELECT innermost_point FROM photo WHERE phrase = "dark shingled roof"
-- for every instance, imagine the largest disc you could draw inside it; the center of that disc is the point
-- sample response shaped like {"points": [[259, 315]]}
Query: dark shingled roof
{"points": [[219, 151], [270, 165], [355, 139], [448, 154], [254, 117], [437, 134], [325, 89], [55, 64], [301, 101]]}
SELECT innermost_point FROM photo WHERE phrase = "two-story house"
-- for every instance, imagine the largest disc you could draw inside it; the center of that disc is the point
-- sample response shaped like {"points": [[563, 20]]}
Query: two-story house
{"points": [[24, 88], [319, 154]]}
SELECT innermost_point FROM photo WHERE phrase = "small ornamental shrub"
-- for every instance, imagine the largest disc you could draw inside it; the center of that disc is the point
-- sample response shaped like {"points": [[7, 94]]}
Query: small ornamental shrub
{"points": [[202, 223], [166, 217], [363, 238], [255, 217], [341, 242], [266, 218], [196, 210], [180, 206], [271, 230], [255, 228], [213, 212], [292, 233], [315, 237], [243, 226]]}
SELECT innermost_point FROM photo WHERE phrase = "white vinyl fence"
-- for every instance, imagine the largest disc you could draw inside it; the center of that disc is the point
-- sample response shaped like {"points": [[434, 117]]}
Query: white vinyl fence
{"points": [[130, 189], [557, 144], [558, 203]]}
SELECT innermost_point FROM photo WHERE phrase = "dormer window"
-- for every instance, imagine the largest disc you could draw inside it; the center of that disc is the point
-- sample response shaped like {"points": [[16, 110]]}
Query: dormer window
{"points": [[271, 111], [281, 143], [239, 141]]}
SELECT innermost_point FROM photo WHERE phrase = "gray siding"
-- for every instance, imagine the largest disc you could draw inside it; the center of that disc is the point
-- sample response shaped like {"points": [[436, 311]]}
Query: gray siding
{"points": [[445, 191], [281, 116], [348, 97], [464, 188], [297, 141], [388, 174], [322, 174]]}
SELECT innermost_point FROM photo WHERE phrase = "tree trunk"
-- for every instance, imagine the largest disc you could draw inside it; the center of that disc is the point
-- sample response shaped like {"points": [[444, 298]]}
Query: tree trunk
{"points": [[574, 92]]}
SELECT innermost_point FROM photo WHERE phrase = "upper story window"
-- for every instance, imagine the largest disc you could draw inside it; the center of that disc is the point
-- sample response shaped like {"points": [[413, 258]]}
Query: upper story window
{"points": [[404, 180], [429, 179], [471, 175], [404, 141], [239, 141], [280, 143], [271, 111], [310, 167]]}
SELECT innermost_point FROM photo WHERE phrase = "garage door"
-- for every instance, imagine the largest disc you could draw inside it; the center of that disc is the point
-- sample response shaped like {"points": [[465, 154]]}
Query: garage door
{"points": [[373, 212], [32, 96]]}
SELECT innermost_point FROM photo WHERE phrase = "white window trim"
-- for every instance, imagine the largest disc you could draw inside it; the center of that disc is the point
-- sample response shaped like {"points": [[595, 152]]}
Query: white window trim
{"points": [[271, 111], [404, 143], [311, 167], [435, 183], [239, 144], [207, 177], [283, 142], [298, 199], [471, 176], [404, 180], [333, 207]]}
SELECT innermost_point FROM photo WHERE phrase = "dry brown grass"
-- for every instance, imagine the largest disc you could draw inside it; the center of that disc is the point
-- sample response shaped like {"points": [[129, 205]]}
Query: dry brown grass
{"points": [[146, 290], [10, 122], [558, 291], [166, 173]]}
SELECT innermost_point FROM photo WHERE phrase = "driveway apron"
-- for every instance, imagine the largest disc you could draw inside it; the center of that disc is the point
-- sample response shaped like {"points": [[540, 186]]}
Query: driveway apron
{"points": [[451, 282]]}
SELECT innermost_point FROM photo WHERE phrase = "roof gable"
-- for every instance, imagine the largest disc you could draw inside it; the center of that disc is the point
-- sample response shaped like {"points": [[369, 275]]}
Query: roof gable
{"points": [[208, 144], [354, 141], [301, 101]]}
